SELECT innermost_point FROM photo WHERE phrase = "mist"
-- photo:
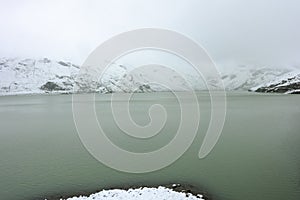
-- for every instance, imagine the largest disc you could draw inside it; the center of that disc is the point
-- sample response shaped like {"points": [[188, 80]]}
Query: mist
{"points": [[233, 32]]}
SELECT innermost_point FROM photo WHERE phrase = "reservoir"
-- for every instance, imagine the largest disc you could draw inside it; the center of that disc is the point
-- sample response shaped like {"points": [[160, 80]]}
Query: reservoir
{"points": [[256, 157]]}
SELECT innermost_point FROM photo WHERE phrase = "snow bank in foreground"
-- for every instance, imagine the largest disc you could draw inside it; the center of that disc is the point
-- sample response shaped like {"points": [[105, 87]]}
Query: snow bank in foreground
{"points": [[140, 194]]}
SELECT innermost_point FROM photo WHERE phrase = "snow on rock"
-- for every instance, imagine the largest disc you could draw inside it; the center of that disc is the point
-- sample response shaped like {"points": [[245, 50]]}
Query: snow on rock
{"points": [[246, 77], [38, 76], [29, 76], [145, 193], [26, 76], [288, 84]]}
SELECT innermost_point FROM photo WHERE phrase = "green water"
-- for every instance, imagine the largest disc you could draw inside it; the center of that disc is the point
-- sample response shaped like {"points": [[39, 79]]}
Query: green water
{"points": [[257, 156]]}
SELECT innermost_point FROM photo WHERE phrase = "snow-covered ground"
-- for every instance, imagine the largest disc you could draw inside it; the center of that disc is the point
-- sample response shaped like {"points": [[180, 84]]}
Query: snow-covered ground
{"points": [[247, 77], [28, 76], [39, 76], [160, 193], [288, 84]]}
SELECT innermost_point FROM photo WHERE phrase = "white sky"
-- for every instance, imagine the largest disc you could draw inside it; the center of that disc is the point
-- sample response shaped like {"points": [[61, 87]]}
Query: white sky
{"points": [[240, 31]]}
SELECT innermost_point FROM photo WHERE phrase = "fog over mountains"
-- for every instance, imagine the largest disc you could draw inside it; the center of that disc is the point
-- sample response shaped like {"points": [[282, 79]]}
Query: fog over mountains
{"points": [[38, 76]]}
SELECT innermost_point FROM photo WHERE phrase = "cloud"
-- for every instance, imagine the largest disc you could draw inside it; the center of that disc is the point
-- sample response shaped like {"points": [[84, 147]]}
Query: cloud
{"points": [[252, 32]]}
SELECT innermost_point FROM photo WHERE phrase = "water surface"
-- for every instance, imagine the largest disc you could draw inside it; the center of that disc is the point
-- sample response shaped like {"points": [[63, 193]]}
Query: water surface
{"points": [[257, 156]]}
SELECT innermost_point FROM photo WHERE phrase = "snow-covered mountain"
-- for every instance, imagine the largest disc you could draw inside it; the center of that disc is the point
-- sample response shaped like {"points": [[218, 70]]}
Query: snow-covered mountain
{"points": [[30, 76], [246, 77], [288, 84], [22, 76]]}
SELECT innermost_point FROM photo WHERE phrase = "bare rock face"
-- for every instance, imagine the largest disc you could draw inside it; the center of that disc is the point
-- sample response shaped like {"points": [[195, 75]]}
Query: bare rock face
{"points": [[50, 86]]}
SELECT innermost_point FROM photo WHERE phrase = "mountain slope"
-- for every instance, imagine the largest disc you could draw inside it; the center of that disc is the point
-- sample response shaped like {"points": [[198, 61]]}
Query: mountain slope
{"points": [[289, 84], [29, 76], [21, 76]]}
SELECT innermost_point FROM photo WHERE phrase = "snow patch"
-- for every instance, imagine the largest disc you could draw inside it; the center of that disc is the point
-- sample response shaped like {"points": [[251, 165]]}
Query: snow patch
{"points": [[145, 193]]}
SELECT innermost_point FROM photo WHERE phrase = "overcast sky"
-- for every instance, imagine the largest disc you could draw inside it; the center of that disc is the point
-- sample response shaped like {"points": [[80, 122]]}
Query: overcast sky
{"points": [[255, 32]]}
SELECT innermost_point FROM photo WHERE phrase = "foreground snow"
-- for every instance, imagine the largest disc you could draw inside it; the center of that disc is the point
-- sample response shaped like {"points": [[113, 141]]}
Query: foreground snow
{"points": [[159, 193]]}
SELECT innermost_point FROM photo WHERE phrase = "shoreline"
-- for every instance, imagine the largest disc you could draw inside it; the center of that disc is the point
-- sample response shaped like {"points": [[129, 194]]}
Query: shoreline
{"points": [[58, 93], [53, 93], [79, 93]]}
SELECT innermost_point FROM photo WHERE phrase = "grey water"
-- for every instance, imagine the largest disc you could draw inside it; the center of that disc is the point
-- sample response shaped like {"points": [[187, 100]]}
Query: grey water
{"points": [[257, 156]]}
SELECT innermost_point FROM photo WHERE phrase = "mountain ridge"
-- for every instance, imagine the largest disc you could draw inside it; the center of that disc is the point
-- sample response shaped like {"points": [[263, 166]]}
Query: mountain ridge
{"points": [[38, 76]]}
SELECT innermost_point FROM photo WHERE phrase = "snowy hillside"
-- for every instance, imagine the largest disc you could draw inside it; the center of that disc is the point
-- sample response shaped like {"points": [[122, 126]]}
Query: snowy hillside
{"points": [[29, 76], [23, 76], [288, 84], [246, 77]]}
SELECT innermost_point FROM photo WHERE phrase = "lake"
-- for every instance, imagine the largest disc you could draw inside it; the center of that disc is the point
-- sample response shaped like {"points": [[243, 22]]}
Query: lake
{"points": [[257, 156]]}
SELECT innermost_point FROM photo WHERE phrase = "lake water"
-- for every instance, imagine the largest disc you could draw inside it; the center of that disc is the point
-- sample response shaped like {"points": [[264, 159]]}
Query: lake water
{"points": [[257, 156]]}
